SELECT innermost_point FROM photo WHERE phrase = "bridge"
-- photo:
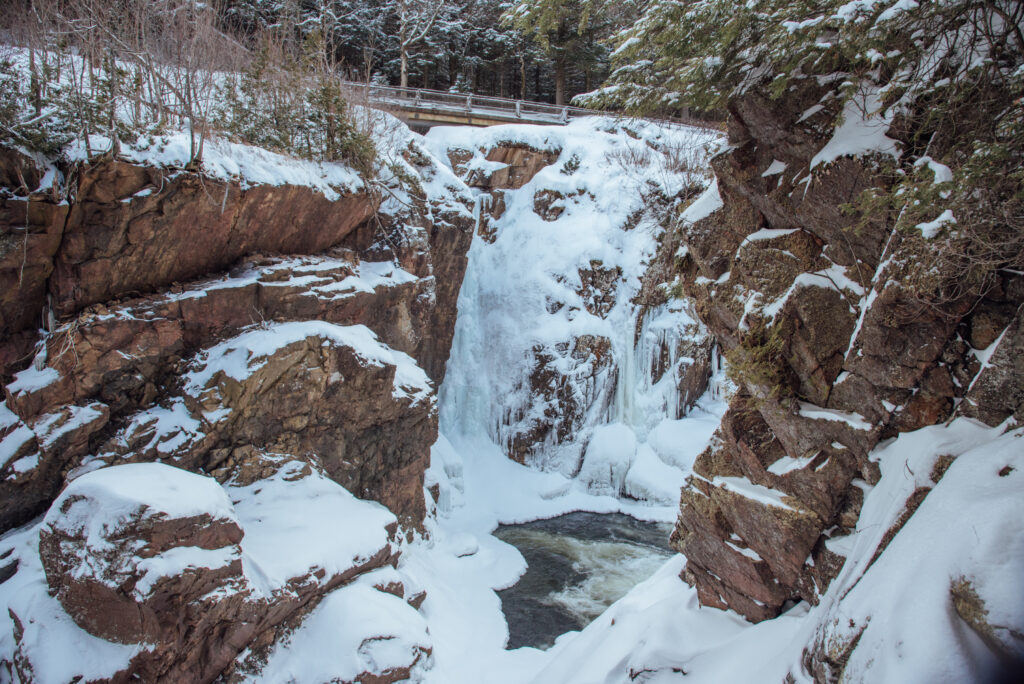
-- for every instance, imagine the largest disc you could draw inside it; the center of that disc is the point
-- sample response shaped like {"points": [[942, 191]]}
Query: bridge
{"points": [[423, 108]]}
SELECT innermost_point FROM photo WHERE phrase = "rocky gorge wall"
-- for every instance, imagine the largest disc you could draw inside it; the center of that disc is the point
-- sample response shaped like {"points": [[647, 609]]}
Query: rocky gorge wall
{"points": [[830, 343], [280, 341]]}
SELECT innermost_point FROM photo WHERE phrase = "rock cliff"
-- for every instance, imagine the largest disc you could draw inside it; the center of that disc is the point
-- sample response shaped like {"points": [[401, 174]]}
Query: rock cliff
{"points": [[833, 346], [250, 350]]}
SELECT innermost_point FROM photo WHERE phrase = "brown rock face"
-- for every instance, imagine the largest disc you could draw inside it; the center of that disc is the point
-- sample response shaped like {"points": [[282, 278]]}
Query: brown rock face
{"points": [[521, 164], [136, 229], [998, 391], [831, 351], [132, 229], [31, 226], [40, 452], [369, 421]]}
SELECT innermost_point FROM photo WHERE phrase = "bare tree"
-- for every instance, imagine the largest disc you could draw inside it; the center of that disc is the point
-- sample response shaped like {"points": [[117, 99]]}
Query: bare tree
{"points": [[416, 19]]}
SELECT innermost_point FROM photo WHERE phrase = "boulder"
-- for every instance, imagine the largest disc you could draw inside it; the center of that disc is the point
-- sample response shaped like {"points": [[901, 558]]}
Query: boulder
{"points": [[153, 555]]}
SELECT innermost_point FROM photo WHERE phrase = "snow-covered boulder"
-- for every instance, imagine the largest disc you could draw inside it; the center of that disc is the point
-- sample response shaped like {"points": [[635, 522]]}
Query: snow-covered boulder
{"points": [[186, 573], [125, 547], [359, 633]]}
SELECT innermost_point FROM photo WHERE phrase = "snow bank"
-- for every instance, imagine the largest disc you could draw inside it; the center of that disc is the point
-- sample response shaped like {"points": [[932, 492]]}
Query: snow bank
{"points": [[356, 630], [99, 503], [608, 458], [298, 519]]}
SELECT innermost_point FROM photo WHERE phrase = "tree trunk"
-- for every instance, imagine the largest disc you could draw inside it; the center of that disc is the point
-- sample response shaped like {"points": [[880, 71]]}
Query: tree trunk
{"points": [[560, 81], [522, 78], [404, 82]]}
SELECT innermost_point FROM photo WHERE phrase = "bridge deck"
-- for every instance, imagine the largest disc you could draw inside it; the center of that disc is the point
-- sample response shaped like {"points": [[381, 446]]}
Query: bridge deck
{"points": [[434, 107]]}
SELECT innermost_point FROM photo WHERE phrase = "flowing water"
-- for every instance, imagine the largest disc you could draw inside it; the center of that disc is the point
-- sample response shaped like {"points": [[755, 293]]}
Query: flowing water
{"points": [[578, 565]]}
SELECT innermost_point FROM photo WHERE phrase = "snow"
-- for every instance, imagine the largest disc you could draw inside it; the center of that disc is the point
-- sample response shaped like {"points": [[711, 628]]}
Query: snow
{"points": [[832, 278], [226, 160], [774, 169], [608, 458], [356, 629], [8, 418], [32, 380], [25, 464], [170, 428], [768, 234], [649, 478], [931, 229], [177, 560], [754, 492], [292, 521], [854, 420], [705, 205], [788, 464], [51, 427], [811, 111], [679, 442], [98, 504], [941, 172], [13, 442], [862, 131]]}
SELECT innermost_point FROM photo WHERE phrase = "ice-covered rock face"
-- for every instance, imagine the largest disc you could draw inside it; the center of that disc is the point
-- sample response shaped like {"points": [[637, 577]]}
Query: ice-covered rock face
{"points": [[562, 324]]}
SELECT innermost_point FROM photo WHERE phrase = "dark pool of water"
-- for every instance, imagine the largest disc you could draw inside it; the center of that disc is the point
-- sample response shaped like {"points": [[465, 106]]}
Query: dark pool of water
{"points": [[578, 565]]}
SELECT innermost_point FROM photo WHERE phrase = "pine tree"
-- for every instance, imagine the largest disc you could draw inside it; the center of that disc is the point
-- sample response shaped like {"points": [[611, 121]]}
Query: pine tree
{"points": [[564, 29]]}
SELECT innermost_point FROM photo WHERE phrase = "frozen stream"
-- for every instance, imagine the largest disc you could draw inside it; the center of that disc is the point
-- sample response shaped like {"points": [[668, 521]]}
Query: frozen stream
{"points": [[578, 565]]}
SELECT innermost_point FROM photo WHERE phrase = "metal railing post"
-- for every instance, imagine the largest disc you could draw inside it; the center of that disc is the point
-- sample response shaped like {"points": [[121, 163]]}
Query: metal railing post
{"points": [[469, 103], [519, 109], [565, 115]]}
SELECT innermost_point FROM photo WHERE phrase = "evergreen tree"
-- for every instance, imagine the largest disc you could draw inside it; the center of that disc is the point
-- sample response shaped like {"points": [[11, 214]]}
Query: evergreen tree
{"points": [[566, 30]]}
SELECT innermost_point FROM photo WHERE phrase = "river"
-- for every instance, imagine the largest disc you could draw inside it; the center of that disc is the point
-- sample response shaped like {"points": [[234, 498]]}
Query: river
{"points": [[578, 565]]}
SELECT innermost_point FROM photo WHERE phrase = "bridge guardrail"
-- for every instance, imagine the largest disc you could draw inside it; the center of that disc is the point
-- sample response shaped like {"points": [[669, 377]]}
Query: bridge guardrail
{"points": [[424, 99]]}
